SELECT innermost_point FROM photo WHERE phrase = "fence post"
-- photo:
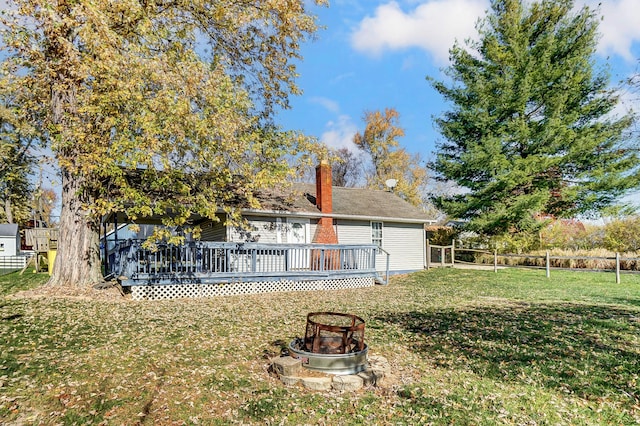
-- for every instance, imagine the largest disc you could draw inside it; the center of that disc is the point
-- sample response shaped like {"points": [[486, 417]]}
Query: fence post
{"points": [[442, 253], [453, 253], [495, 260], [428, 254], [548, 265], [617, 268]]}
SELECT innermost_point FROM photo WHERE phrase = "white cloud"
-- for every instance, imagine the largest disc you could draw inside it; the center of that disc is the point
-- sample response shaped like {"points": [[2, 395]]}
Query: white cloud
{"points": [[344, 76], [340, 133], [328, 104], [620, 27], [432, 26]]}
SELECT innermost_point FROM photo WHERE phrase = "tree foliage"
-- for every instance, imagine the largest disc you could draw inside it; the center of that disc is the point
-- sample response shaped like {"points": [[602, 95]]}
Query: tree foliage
{"points": [[388, 161], [623, 234], [16, 165], [531, 128], [154, 107]]}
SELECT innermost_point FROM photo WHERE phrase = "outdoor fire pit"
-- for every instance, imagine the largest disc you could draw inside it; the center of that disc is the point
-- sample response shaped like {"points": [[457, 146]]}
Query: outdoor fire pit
{"points": [[333, 343]]}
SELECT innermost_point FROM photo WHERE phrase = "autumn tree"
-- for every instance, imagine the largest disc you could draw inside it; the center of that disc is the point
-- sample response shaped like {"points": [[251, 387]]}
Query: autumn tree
{"points": [[531, 128], [153, 107], [43, 203], [346, 167], [15, 167], [623, 234], [388, 161]]}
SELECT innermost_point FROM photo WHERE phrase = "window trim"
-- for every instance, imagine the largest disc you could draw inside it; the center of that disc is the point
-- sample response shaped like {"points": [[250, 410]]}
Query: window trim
{"points": [[378, 241]]}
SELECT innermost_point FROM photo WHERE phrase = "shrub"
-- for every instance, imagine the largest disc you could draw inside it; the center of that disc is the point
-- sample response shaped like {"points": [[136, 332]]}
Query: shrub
{"points": [[623, 234]]}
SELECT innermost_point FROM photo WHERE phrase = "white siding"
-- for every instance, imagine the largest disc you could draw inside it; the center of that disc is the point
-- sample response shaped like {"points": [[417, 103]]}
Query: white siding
{"points": [[405, 242], [213, 231], [313, 227], [9, 246], [262, 230], [354, 232]]}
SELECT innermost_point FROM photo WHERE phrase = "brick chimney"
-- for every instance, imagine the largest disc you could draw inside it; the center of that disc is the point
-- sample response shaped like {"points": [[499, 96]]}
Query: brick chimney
{"points": [[325, 234]]}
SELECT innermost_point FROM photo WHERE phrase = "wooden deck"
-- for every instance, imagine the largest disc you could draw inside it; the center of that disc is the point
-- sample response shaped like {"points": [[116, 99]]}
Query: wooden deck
{"points": [[205, 262]]}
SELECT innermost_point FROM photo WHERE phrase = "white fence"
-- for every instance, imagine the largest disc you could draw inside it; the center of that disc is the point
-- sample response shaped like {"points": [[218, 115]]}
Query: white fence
{"points": [[12, 263], [440, 256]]}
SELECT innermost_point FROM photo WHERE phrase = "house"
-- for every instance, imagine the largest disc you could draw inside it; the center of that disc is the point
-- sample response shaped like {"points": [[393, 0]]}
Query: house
{"points": [[9, 240], [311, 237], [327, 214]]}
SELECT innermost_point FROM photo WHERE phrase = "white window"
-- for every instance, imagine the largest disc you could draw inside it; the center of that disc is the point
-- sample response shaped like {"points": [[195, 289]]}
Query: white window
{"points": [[376, 233]]}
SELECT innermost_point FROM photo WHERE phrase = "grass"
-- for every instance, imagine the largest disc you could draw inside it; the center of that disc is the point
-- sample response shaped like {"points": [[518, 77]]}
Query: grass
{"points": [[14, 282], [466, 347]]}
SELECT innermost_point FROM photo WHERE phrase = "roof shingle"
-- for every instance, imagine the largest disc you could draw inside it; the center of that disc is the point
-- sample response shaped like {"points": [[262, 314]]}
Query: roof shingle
{"points": [[355, 202]]}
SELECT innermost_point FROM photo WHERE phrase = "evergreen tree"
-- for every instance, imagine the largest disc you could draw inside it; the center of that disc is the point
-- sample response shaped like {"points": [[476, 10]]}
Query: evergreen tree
{"points": [[531, 130]]}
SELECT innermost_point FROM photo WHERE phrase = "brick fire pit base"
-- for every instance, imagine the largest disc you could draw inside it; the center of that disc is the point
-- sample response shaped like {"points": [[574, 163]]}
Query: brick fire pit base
{"points": [[291, 372]]}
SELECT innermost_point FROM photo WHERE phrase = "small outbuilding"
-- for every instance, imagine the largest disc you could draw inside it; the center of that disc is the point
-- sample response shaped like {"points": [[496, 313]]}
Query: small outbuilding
{"points": [[9, 240]]}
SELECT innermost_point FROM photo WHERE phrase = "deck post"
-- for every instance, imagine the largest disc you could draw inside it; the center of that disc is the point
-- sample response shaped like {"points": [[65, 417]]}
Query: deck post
{"points": [[387, 278], [254, 261], [105, 249]]}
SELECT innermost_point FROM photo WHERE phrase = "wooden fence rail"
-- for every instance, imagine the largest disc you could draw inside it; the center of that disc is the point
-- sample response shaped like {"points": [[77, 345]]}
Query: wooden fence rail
{"points": [[548, 259]]}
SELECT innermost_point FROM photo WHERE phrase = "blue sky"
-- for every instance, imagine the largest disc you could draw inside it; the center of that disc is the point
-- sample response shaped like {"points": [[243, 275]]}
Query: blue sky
{"points": [[374, 54]]}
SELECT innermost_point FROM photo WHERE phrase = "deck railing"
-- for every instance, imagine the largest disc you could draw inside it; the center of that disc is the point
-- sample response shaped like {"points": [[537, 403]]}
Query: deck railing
{"points": [[211, 262]]}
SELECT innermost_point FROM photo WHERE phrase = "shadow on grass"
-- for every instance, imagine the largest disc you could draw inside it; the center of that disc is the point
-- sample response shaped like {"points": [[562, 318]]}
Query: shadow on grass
{"points": [[591, 351], [627, 301]]}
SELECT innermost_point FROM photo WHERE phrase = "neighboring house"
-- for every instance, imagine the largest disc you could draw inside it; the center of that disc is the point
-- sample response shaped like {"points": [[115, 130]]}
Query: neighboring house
{"points": [[9, 240], [322, 213]]}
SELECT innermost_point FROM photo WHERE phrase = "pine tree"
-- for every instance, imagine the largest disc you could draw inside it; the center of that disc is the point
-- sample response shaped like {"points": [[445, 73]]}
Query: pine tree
{"points": [[531, 130]]}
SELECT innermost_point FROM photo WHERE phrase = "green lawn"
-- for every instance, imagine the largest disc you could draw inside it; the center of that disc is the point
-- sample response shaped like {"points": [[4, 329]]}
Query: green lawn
{"points": [[466, 347]]}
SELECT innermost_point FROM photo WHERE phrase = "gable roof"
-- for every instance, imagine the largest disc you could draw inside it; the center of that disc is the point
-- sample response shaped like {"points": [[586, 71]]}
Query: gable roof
{"points": [[300, 201], [8, 230], [348, 203]]}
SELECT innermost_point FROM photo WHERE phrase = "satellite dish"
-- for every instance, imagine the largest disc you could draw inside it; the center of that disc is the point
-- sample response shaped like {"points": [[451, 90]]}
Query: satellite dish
{"points": [[391, 183]]}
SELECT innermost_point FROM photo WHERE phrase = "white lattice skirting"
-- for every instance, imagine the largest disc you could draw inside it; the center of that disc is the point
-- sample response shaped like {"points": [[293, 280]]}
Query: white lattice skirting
{"points": [[180, 291]]}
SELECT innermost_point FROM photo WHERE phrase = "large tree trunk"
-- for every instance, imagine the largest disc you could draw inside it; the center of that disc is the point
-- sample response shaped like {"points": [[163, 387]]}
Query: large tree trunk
{"points": [[77, 262], [7, 210]]}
